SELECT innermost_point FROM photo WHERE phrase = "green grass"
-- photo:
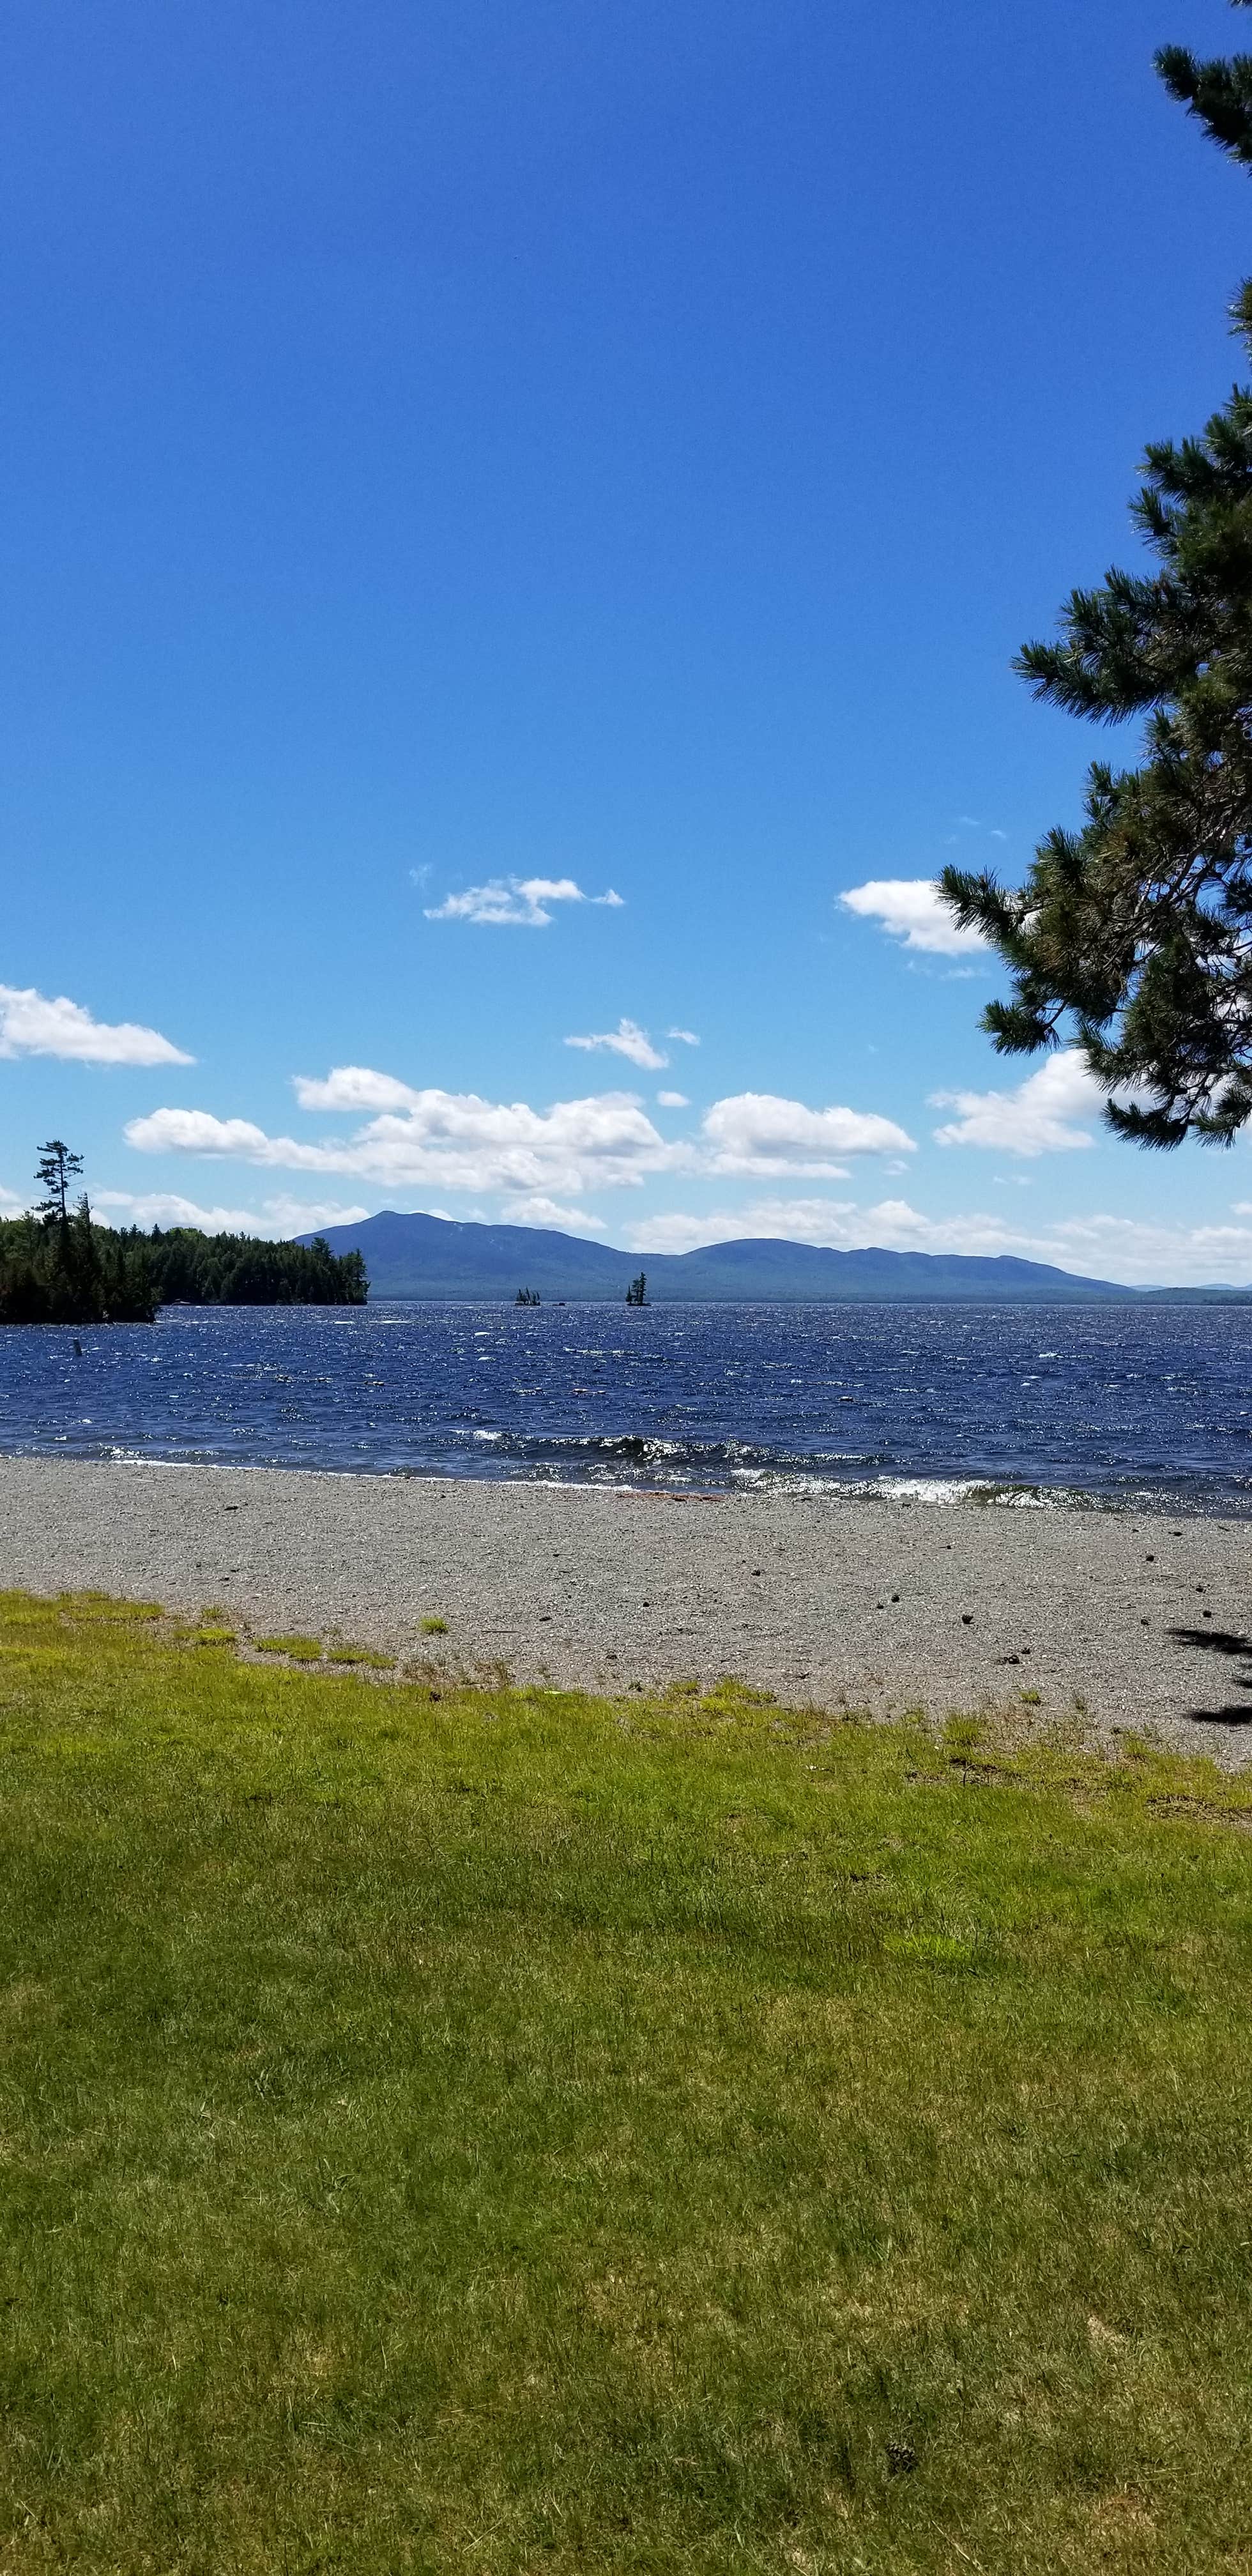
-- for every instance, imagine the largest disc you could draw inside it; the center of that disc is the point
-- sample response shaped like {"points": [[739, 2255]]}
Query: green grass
{"points": [[519, 2132]]}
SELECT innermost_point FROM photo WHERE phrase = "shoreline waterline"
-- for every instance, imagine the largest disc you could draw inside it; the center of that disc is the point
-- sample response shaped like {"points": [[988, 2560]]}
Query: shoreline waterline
{"points": [[891, 1492], [1129, 1621]]}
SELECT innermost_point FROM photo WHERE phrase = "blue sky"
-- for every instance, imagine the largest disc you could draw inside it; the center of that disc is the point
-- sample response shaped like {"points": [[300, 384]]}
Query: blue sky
{"points": [[452, 446]]}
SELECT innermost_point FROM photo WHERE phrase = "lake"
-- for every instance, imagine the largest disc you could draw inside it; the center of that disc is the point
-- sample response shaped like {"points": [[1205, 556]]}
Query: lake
{"points": [[1114, 1404]]}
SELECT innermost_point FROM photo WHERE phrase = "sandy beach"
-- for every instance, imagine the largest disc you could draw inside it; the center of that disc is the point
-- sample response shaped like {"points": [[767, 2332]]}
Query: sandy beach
{"points": [[1146, 1622]]}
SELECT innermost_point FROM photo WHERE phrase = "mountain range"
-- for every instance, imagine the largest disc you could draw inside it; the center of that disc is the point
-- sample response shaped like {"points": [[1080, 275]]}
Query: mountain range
{"points": [[438, 1257]]}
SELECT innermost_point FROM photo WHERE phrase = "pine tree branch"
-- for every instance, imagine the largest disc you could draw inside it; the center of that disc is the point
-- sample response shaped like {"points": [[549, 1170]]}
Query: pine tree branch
{"points": [[1217, 94]]}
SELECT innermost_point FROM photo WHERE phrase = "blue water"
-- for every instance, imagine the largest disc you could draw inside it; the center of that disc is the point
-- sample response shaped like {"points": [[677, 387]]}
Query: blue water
{"points": [[1113, 1403]]}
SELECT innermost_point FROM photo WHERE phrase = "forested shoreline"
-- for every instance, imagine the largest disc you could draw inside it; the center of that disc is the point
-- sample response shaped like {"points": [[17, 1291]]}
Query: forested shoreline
{"points": [[194, 1269], [67, 1269]]}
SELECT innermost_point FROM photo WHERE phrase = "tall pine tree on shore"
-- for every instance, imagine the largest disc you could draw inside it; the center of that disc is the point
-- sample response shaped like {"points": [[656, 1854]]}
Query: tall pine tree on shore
{"points": [[1134, 933]]}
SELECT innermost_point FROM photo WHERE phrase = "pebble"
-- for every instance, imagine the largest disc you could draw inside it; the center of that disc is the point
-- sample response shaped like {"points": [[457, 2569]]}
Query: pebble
{"points": [[371, 1555]]}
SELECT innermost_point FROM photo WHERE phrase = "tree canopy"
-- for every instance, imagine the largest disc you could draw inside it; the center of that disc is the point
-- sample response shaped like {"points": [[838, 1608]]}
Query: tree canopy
{"points": [[1134, 933], [69, 1270], [197, 1269], [77, 1272], [57, 1266]]}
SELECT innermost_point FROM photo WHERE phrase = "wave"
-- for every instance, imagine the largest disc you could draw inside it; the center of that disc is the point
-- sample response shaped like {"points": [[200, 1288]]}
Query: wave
{"points": [[734, 1466], [1144, 1411]]}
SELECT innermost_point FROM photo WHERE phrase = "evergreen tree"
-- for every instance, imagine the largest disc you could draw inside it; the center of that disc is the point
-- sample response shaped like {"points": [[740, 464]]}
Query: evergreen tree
{"points": [[54, 1171], [57, 1266], [88, 1274], [197, 1269], [1219, 94], [1135, 932]]}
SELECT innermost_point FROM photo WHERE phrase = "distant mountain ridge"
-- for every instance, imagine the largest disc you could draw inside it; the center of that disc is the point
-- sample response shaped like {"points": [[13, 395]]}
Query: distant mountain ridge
{"points": [[425, 1257]]}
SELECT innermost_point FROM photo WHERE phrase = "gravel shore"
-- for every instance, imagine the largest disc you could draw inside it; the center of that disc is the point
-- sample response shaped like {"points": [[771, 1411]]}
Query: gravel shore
{"points": [[869, 1605]]}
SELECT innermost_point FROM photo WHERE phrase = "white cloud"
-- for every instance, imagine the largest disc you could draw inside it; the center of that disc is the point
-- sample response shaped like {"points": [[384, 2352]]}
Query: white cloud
{"points": [[684, 1037], [539, 1161], [520, 900], [1039, 1117], [166, 1207], [1120, 1247], [430, 1139], [280, 1217], [834, 1222], [672, 1100], [354, 1086], [547, 1212], [196, 1131], [30, 1024], [626, 1039], [444, 1140], [755, 1132], [297, 1216], [913, 910], [680, 1232], [1101, 1246]]}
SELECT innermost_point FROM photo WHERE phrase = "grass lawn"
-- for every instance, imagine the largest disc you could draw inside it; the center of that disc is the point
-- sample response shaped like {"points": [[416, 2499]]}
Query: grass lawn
{"points": [[521, 2132]]}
